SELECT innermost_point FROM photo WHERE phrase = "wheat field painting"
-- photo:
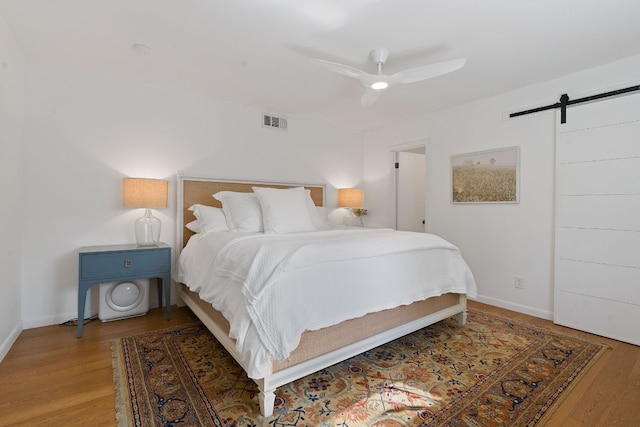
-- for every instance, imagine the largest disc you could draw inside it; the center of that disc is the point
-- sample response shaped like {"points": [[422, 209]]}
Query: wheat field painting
{"points": [[485, 176]]}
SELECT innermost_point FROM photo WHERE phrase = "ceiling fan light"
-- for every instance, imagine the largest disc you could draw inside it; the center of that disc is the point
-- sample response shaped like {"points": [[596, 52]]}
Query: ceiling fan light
{"points": [[379, 85]]}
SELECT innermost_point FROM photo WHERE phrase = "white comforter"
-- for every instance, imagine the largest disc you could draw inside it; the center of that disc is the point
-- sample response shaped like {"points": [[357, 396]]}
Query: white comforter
{"points": [[258, 281]]}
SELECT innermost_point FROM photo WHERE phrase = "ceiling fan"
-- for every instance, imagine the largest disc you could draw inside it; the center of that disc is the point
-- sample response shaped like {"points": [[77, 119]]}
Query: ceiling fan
{"points": [[377, 83]]}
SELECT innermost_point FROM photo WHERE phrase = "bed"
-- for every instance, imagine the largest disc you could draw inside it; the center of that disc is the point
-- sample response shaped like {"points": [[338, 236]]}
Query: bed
{"points": [[282, 319]]}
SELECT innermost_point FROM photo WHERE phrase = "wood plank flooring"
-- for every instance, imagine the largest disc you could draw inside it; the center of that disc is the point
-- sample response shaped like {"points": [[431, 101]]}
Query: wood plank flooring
{"points": [[51, 378]]}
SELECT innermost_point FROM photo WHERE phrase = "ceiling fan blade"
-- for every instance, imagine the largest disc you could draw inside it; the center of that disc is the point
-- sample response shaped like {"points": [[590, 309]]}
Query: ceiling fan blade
{"points": [[345, 70], [369, 97], [427, 71]]}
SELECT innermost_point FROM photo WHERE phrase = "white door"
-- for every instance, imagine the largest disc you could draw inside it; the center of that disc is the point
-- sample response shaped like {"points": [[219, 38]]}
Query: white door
{"points": [[597, 261], [411, 184]]}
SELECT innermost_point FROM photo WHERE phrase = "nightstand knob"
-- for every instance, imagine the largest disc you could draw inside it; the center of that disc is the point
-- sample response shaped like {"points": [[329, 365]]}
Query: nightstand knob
{"points": [[128, 263]]}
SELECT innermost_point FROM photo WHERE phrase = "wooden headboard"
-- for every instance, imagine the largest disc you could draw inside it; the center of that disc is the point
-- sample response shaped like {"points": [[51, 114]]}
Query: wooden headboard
{"points": [[193, 190]]}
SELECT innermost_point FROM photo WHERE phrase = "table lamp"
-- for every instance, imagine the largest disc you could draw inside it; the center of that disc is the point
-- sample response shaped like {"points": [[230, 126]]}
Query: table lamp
{"points": [[350, 198], [146, 193]]}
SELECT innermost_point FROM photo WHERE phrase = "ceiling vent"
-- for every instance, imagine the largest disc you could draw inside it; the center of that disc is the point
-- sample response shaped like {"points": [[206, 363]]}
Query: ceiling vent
{"points": [[274, 122]]}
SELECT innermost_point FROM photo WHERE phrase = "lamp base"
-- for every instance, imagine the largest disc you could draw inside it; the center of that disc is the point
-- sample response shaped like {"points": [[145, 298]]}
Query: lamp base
{"points": [[147, 229], [354, 218]]}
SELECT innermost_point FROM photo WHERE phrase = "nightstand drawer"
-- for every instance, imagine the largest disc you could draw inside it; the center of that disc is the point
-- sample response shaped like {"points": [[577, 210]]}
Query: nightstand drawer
{"points": [[105, 265]]}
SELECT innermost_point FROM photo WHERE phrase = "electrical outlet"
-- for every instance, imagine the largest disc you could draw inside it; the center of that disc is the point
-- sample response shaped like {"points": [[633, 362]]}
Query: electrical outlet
{"points": [[519, 282]]}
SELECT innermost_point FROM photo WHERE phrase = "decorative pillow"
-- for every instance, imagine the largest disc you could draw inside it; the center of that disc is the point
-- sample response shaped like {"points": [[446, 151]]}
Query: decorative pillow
{"points": [[284, 210], [208, 219], [318, 214], [242, 210]]}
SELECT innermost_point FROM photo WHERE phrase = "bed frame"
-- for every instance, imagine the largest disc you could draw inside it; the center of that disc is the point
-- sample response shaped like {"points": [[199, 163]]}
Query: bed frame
{"points": [[317, 349]]}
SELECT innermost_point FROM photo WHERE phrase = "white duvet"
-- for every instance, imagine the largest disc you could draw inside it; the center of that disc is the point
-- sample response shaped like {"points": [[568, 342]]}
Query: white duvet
{"points": [[273, 287]]}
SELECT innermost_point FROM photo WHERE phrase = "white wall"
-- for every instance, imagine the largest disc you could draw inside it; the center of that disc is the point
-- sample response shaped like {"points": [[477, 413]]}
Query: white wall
{"points": [[11, 208], [498, 241], [83, 134]]}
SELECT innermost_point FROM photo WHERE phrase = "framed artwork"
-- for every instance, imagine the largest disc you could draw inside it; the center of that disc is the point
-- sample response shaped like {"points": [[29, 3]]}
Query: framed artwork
{"points": [[490, 176]]}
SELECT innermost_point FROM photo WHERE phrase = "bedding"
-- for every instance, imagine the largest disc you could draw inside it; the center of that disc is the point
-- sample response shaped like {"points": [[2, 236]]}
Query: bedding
{"points": [[242, 210], [194, 226], [284, 211], [318, 214], [208, 219], [273, 287]]}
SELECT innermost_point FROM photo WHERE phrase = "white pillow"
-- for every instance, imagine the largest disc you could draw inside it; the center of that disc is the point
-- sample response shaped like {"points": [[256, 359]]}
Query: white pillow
{"points": [[208, 219], [284, 210], [318, 214], [320, 218], [242, 210], [194, 226]]}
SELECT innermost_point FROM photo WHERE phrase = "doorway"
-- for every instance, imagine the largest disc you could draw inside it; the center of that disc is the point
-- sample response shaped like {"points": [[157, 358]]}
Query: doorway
{"points": [[410, 163]]}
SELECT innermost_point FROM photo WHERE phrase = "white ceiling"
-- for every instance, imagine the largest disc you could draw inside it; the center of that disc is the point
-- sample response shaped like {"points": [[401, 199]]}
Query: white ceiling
{"points": [[257, 52]]}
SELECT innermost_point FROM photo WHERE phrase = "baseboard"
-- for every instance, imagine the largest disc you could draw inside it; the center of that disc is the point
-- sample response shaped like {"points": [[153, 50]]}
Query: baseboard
{"points": [[11, 339], [532, 311], [55, 319]]}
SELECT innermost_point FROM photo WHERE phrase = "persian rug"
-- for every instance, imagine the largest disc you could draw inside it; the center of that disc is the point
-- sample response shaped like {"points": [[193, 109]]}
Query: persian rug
{"points": [[491, 372]]}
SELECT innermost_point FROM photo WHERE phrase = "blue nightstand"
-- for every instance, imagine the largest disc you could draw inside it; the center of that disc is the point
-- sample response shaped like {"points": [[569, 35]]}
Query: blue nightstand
{"points": [[112, 263]]}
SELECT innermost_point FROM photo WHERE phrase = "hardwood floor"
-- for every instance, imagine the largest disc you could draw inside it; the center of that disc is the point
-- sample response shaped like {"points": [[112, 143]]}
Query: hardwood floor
{"points": [[51, 378]]}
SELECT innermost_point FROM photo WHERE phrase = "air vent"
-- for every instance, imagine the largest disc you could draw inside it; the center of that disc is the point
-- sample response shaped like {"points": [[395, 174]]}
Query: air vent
{"points": [[274, 122]]}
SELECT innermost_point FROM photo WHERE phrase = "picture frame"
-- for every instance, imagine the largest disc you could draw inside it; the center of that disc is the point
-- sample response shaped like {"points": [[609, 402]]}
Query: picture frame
{"points": [[490, 176]]}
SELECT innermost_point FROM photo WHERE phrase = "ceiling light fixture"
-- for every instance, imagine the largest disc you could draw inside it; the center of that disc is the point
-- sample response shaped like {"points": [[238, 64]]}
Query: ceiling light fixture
{"points": [[380, 85]]}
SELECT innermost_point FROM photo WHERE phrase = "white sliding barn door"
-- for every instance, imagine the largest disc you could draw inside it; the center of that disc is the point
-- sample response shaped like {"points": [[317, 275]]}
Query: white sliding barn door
{"points": [[597, 258]]}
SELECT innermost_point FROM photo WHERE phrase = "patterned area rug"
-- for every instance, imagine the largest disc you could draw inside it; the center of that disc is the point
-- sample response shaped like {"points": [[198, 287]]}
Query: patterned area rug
{"points": [[491, 372]]}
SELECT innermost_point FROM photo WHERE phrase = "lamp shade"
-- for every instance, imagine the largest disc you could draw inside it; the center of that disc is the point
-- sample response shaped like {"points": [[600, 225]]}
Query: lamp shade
{"points": [[349, 198], [145, 193]]}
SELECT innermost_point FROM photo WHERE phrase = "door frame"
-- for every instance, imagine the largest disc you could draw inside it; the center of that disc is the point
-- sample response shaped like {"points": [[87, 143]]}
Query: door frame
{"points": [[408, 146]]}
